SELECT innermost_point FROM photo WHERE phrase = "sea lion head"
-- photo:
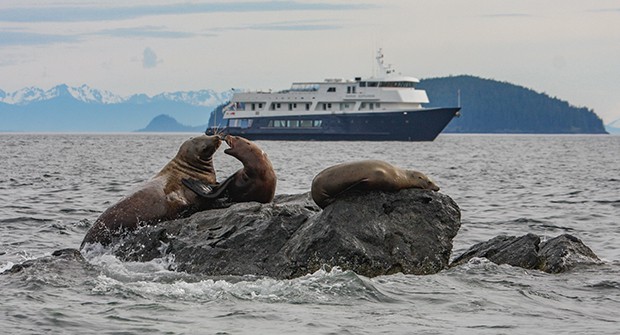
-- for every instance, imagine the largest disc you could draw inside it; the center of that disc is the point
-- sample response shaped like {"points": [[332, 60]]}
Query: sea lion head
{"points": [[242, 149], [420, 180], [200, 149]]}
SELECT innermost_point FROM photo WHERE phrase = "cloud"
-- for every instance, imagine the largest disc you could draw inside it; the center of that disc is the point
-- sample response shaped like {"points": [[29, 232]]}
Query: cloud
{"points": [[605, 10], [104, 13], [13, 38], [505, 15], [304, 25], [149, 59], [148, 32], [294, 26], [18, 37]]}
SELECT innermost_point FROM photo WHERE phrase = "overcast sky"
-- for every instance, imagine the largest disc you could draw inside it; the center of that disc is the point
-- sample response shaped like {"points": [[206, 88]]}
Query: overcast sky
{"points": [[566, 48]]}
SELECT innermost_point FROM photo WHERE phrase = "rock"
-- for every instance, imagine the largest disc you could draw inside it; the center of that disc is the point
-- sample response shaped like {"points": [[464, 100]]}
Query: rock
{"points": [[61, 256], [516, 251], [556, 255], [372, 234], [564, 252]]}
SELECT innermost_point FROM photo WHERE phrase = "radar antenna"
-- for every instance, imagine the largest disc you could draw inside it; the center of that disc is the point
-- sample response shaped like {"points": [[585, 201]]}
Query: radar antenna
{"points": [[383, 69]]}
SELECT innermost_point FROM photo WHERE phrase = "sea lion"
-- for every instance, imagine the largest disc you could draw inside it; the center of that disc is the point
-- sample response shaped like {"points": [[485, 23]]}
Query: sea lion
{"points": [[163, 197], [367, 175], [256, 181]]}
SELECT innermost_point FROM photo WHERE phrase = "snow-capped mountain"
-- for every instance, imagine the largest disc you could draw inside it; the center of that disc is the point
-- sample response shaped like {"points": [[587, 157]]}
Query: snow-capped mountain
{"points": [[613, 127], [196, 98], [84, 109], [87, 94], [82, 93]]}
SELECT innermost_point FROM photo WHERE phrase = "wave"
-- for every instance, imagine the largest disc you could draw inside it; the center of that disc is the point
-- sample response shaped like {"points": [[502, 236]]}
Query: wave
{"points": [[153, 280]]}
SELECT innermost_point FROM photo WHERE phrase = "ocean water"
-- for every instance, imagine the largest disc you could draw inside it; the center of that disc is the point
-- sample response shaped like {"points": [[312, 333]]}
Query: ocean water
{"points": [[53, 186]]}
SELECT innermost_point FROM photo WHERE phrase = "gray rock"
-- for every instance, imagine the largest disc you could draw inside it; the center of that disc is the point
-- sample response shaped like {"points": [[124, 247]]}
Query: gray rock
{"points": [[62, 256], [556, 255], [372, 234], [563, 253]]}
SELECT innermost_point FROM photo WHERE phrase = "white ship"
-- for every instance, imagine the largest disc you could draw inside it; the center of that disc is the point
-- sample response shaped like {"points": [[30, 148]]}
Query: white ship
{"points": [[383, 108]]}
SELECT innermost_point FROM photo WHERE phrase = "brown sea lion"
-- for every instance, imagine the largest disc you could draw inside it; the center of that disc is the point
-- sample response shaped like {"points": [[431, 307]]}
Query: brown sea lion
{"points": [[256, 181], [367, 175], [163, 197]]}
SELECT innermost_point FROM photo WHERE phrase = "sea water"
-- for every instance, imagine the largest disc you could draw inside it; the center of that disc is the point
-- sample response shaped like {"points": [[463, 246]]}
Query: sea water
{"points": [[53, 187]]}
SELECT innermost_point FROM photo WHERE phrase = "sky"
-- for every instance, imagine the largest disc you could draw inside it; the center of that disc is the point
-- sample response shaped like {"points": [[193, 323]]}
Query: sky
{"points": [[565, 48]]}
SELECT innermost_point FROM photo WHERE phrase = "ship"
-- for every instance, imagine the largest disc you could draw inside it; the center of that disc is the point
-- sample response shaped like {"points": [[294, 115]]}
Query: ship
{"points": [[384, 107]]}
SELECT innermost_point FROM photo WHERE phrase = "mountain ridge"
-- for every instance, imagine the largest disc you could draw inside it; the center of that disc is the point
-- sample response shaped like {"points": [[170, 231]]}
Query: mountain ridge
{"points": [[84, 109], [488, 106], [85, 93]]}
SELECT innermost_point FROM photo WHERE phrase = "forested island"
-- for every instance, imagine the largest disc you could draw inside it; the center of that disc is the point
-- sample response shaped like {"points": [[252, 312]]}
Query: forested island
{"points": [[166, 123], [490, 106]]}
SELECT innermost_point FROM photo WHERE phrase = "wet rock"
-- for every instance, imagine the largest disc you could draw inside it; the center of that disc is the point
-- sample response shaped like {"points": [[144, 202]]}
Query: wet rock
{"points": [[556, 255], [516, 251], [58, 256], [373, 234], [563, 253]]}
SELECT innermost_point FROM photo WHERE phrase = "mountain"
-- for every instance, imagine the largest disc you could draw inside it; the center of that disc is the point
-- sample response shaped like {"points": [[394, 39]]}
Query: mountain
{"points": [[490, 106], [166, 123], [83, 93], [84, 109], [613, 127]]}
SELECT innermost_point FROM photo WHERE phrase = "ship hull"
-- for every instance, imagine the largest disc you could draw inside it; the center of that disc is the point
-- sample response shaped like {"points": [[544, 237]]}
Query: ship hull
{"points": [[415, 125]]}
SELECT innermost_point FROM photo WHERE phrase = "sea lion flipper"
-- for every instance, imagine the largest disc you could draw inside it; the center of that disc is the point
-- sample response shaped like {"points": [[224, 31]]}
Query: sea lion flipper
{"points": [[219, 189], [198, 187], [356, 185], [207, 191]]}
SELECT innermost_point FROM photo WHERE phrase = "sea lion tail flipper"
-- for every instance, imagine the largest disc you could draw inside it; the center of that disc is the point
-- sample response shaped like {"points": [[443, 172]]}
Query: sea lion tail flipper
{"points": [[198, 187]]}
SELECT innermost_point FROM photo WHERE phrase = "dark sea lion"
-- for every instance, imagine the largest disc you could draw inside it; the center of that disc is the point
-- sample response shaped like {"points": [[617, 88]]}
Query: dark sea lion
{"points": [[163, 197], [256, 181], [367, 175]]}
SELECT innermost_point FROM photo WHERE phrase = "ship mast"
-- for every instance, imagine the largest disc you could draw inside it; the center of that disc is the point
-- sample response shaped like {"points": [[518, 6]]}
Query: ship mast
{"points": [[383, 69]]}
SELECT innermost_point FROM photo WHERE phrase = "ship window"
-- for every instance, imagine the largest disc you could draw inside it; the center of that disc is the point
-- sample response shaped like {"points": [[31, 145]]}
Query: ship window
{"points": [[408, 84], [293, 123], [307, 107], [363, 105], [241, 123], [260, 105], [278, 123], [290, 107], [348, 89], [253, 106], [331, 89], [362, 84], [305, 87], [371, 105], [372, 84], [329, 105], [278, 105]]}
